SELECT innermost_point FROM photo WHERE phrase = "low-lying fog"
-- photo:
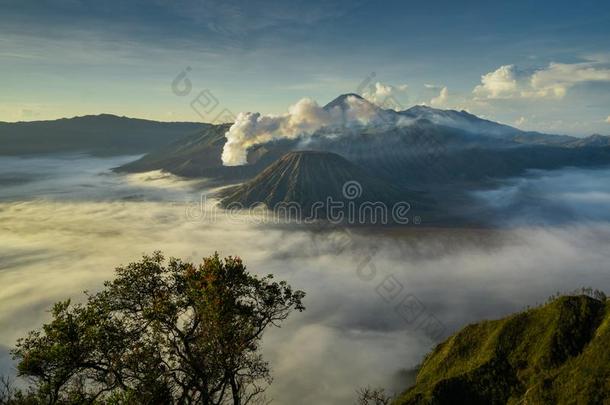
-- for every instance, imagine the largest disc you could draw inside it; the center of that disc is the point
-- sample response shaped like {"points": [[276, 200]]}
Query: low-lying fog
{"points": [[375, 304]]}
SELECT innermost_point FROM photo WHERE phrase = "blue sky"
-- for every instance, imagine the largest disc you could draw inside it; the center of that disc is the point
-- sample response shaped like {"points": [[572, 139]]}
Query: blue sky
{"points": [[539, 65]]}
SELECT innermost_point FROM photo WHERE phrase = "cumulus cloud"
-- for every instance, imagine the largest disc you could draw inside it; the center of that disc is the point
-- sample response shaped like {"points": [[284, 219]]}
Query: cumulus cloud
{"points": [[501, 83], [555, 80], [552, 82], [442, 98], [438, 96], [382, 94], [302, 119]]}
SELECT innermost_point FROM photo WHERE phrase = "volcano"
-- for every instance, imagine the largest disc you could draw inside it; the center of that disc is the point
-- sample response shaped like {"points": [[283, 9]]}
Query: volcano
{"points": [[310, 179]]}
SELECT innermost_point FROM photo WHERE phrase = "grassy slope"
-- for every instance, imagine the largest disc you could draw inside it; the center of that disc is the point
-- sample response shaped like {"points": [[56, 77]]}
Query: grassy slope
{"points": [[558, 353]]}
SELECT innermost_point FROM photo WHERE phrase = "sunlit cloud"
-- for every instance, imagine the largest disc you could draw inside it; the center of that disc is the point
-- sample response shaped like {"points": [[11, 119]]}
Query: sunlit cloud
{"points": [[442, 99], [551, 82], [380, 93], [501, 83]]}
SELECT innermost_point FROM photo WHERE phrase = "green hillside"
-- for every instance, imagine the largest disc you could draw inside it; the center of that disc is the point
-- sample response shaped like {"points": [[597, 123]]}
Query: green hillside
{"points": [[555, 354]]}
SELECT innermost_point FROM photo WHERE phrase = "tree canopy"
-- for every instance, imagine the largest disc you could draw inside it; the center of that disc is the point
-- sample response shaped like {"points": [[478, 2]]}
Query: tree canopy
{"points": [[161, 332]]}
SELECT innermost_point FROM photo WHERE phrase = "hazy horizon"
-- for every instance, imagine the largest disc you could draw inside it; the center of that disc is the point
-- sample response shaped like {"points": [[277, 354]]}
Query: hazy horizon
{"points": [[522, 63], [414, 167]]}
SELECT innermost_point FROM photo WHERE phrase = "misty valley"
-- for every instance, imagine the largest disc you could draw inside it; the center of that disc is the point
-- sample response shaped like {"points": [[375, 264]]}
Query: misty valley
{"points": [[69, 219], [307, 202]]}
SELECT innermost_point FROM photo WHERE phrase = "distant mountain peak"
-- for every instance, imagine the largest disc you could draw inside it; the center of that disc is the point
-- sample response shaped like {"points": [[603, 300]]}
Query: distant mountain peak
{"points": [[426, 110], [422, 108], [595, 140], [459, 119], [346, 95], [341, 100]]}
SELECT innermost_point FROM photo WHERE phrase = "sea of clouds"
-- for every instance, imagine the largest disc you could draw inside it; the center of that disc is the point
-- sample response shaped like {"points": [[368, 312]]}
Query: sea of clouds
{"points": [[376, 302]]}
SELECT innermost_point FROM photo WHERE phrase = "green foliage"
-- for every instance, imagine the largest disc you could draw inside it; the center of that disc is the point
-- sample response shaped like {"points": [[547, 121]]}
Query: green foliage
{"points": [[556, 353], [175, 333]]}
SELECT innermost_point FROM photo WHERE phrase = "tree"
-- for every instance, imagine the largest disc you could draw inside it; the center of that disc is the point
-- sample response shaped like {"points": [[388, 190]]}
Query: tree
{"points": [[372, 396], [160, 333], [7, 391]]}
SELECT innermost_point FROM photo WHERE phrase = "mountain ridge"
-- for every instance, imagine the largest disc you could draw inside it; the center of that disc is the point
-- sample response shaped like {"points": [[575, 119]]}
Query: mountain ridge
{"points": [[433, 147], [103, 134], [556, 353], [100, 115]]}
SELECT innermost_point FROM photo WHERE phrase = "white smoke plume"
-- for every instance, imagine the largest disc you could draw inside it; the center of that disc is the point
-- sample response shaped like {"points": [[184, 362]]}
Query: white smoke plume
{"points": [[302, 119]]}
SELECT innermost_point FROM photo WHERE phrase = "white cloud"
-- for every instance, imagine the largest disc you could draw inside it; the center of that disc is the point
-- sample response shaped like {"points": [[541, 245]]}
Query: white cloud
{"points": [[442, 98], [551, 82], [302, 119], [501, 83], [381, 93], [438, 96], [608, 119], [555, 80]]}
